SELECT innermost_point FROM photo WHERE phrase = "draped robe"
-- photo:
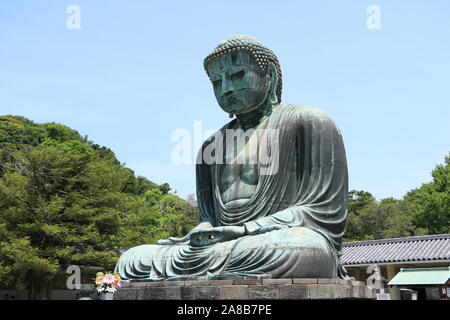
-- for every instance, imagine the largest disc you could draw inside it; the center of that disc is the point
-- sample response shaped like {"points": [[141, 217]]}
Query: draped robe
{"points": [[303, 194]]}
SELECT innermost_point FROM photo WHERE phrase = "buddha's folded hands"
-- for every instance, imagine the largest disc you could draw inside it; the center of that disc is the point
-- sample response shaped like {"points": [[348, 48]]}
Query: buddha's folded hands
{"points": [[186, 238], [206, 237], [268, 228]]}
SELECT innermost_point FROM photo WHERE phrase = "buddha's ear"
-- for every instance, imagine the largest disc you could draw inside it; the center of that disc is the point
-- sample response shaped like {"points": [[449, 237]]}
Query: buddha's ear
{"points": [[273, 83]]}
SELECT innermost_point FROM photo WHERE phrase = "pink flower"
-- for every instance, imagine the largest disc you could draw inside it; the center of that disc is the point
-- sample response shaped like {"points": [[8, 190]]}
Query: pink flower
{"points": [[109, 279]]}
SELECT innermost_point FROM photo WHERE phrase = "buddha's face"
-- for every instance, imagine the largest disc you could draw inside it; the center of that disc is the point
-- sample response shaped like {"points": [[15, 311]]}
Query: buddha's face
{"points": [[240, 86]]}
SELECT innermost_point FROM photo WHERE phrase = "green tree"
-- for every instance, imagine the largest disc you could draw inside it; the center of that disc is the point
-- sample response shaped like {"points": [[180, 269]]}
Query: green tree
{"points": [[65, 203], [165, 188], [65, 200], [357, 202], [387, 219], [429, 205], [369, 219]]}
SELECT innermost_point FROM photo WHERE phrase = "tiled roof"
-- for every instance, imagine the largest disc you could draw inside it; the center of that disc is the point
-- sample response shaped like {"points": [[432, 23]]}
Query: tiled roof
{"points": [[420, 248]]}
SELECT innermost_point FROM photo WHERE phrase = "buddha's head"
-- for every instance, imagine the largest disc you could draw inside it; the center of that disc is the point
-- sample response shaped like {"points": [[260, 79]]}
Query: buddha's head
{"points": [[245, 75]]}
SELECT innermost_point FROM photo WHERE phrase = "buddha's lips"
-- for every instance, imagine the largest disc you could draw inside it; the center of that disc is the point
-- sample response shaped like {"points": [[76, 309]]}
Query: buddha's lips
{"points": [[231, 98]]}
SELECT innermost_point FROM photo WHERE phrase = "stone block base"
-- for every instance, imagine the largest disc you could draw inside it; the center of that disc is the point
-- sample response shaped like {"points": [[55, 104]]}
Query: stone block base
{"points": [[245, 289]]}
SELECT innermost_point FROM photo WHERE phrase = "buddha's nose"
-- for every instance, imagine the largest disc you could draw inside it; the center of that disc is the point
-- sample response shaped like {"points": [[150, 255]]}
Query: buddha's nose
{"points": [[227, 85]]}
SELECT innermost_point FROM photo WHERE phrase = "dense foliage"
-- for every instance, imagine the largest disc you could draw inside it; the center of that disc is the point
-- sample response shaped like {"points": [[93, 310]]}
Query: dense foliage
{"points": [[425, 210], [65, 200]]}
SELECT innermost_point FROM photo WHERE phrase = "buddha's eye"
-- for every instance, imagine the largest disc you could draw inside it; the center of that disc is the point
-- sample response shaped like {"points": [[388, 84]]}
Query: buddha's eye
{"points": [[238, 75], [217, 82]]}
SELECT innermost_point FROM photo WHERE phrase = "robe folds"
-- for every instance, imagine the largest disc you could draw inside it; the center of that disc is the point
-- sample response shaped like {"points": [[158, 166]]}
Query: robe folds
{"points": [[303, 194]]}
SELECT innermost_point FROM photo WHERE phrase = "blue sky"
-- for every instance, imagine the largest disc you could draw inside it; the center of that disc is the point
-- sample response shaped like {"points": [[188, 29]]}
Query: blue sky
{"points": [[134, 73]]}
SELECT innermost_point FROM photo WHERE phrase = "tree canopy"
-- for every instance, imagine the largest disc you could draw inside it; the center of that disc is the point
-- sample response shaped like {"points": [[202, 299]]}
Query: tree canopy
{"points": [[429, 205], [425, 210], [65, 200]]}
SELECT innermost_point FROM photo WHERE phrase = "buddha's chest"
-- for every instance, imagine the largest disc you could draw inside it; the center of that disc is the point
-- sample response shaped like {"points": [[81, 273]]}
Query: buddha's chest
{"points": [[246, 174], [239, 173]]}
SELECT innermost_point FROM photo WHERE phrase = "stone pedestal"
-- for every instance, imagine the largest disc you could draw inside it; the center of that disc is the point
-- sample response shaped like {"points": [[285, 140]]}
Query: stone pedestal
{"points": [[245, 289]]}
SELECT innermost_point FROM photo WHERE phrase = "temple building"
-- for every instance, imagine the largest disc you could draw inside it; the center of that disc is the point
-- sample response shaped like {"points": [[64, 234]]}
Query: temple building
{"points": [[419, 264]]}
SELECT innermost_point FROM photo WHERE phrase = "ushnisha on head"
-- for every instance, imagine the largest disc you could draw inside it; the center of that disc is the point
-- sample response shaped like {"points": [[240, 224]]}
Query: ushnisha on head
{"points": [[245, 74]]}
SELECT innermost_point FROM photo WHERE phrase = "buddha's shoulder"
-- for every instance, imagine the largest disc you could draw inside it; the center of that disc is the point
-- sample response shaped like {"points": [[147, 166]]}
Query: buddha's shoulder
{"points": [[301, 112]]}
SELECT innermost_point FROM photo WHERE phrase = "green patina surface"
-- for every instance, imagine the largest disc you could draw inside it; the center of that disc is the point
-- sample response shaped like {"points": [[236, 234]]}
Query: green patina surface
{"points": [[270, 207]]}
